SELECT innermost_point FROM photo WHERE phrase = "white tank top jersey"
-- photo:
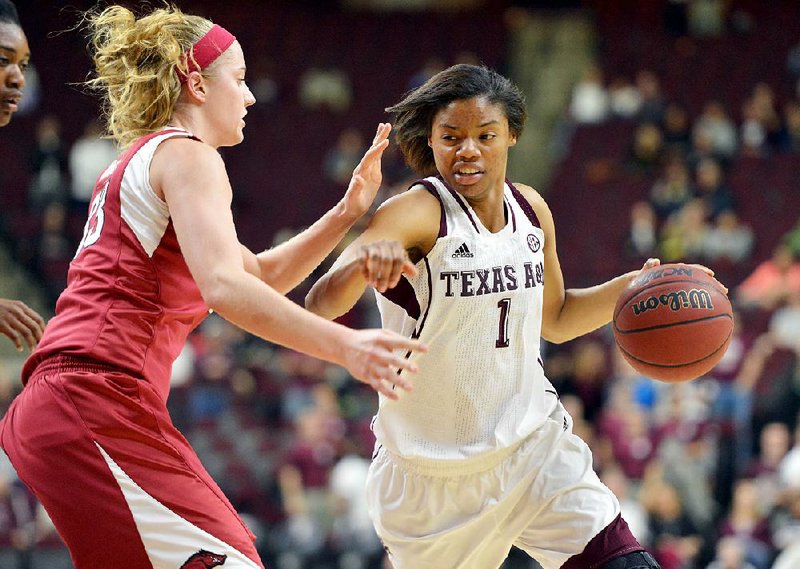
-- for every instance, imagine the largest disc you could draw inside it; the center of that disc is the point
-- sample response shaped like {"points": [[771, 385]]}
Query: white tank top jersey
{"points": [[477, 304]]}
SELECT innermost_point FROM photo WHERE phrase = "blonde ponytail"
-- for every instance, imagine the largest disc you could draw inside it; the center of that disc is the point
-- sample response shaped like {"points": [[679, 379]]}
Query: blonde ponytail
{"points": [[135, 63]]}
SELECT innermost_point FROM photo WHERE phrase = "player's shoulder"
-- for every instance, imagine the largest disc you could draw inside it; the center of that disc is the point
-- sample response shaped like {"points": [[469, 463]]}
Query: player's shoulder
{"points": [[187, 148], [416, 201], [185, 156], [530, 194]]}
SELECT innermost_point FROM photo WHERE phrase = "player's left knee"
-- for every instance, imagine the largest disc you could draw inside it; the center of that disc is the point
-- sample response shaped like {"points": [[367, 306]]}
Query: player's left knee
{"points": [[635, 560]]}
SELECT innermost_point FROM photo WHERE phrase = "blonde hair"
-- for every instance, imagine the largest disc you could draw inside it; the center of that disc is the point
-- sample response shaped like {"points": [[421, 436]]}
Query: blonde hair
{"points": [[135, 63]]}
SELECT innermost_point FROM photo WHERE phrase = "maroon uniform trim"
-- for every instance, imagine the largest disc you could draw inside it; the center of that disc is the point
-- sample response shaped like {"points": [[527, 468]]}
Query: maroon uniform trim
{"points": [[525, 205], [443, 218], [613, 541]]}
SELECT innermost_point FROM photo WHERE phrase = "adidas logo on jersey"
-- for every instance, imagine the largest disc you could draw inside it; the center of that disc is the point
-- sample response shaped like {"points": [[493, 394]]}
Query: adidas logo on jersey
{"points": [[462, 251]]}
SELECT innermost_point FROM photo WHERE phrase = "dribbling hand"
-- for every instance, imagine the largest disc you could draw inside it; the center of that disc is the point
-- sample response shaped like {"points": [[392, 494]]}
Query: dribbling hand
{"points": [[371, 357]]}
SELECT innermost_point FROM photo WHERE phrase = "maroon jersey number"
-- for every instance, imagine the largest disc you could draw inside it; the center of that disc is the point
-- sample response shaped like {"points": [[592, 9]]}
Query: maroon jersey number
{"points": [[502, 333]]}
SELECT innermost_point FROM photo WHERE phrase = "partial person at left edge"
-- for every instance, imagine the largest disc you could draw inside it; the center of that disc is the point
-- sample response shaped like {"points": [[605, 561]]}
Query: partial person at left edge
{"points": [[18, 321]]}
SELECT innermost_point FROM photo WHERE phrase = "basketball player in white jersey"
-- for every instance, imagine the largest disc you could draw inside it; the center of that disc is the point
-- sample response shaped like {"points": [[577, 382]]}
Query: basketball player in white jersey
{"points": [[480, 456]]}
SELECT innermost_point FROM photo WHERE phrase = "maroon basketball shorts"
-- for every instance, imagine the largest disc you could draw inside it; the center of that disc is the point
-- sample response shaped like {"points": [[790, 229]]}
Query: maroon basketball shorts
{"points": [[121, 484]]}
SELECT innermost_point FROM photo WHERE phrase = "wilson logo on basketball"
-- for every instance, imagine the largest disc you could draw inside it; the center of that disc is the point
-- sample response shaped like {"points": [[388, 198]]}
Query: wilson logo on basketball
{"points": [[204, 560], [694, 298]]}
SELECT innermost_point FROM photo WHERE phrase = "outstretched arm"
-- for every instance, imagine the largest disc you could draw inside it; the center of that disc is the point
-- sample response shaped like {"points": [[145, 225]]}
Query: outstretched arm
{"points": [[194, 183], [287, 265], [569, 313], [379, 256]]}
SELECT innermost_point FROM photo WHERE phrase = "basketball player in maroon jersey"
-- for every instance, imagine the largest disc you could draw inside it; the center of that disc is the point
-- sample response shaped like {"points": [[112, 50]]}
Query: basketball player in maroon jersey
{"points": [[17, 321], [90, 433]]}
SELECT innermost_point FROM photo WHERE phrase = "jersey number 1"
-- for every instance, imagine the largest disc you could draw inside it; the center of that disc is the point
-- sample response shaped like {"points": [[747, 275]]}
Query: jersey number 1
{"points": [[502, 333]]}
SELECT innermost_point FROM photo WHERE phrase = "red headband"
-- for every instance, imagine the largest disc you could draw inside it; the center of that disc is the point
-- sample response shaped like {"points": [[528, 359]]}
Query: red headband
{"points": [[207, 50]]}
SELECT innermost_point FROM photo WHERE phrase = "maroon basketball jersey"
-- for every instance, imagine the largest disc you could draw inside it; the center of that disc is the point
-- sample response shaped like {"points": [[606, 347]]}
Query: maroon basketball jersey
{"points": [[130, 300]]}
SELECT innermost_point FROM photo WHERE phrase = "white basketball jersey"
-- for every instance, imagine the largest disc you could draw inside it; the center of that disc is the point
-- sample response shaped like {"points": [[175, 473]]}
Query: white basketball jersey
{"points": [[477, 304]]}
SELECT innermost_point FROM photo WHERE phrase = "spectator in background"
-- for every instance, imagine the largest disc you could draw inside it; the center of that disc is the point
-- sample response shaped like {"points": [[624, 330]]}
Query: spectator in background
{"points": [[772, 281], [792, 239], [784, 323], [786, 521], [48, 166], [590, 100], [303, 481], [684, 233], [710, 187], [676, 128], [706, 18], [22, 325], [676, 539], [88, 157], [430, 67], [642, 232], [647, 149], [752, 131], [339, 161], [653, 103], [774, 444], [729, 241], [672, 189], [747, 521], [720, 128], [325, 86], [789, 469], [624, 99], [765, 106], [353, 535], [730, 554], [790, 135]]}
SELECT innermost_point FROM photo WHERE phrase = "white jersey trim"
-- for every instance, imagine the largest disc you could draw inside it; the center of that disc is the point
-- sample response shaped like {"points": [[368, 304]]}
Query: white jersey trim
{"points": [[168, 539], [140, 207]]}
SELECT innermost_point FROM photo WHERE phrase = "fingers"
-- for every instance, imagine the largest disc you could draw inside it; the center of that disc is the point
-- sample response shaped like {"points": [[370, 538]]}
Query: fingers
{"points": [[12, 335], [710, 273], [21, 324], [651, 262], [382, 133], [371, 156], [379, 144], [383, 264], [386, 376]]}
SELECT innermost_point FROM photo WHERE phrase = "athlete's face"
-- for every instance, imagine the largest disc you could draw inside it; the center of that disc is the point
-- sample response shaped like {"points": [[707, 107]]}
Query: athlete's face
{"points": [[470, 141], [228, 97], [14, 57]]}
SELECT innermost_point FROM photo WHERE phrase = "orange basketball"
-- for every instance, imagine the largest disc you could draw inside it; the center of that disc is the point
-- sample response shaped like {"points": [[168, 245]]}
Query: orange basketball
{"points": [[673, 322]]}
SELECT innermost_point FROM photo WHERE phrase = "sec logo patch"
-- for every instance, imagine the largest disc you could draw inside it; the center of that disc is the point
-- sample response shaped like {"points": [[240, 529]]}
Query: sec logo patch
{"points": [[534, 243]]}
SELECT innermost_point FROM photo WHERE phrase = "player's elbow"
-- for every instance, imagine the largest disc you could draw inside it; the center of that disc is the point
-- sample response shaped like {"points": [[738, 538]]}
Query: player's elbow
{"points": [[556, 337], [218, 290], [556, 331], [315, 302]]}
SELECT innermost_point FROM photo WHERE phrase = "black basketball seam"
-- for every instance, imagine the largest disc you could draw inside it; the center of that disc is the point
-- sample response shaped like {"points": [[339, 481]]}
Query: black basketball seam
{"points": [[653, 284], [670, 366], [671, 324]]}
